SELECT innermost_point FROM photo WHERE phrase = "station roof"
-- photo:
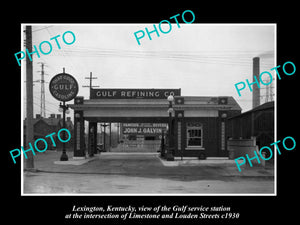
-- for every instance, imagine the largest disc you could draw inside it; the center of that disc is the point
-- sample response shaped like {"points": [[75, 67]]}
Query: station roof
{"points": [[209, 102]]}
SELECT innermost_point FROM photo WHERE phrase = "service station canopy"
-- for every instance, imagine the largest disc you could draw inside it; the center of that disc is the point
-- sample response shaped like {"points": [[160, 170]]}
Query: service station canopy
{"points": [[128, 105]]}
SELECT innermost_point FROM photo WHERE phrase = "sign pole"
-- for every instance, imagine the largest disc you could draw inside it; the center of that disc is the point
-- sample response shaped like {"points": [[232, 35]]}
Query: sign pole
{"points": [[64, 156], [63, 87]]}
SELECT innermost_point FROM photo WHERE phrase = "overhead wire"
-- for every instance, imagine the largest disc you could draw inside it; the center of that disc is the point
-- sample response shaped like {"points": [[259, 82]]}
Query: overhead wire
{"points": [[238, 59], [227, 57], [43, 28], [37, 104], [233, 57]]}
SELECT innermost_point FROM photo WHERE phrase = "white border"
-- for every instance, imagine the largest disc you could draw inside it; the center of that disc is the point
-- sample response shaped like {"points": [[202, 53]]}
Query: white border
{"points": [[22, 110], [150, 194], [275, 110]]}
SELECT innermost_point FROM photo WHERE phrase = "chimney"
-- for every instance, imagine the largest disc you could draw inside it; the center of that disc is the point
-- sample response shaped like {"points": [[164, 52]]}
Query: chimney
{"points": [[256, 89], [37, 116]]}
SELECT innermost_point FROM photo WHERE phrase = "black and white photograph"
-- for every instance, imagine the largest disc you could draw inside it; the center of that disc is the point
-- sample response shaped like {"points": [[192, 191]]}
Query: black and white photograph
{"points": [[149, 114], [159, 113]]}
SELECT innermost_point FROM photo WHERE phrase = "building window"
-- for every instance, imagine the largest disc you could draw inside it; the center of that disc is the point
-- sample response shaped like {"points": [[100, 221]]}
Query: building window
{"points": [[194, 135]]}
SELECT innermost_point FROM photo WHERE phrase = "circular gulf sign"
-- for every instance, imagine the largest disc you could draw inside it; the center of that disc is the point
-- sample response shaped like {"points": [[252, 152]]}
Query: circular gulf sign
{"points": [[63, 87]]}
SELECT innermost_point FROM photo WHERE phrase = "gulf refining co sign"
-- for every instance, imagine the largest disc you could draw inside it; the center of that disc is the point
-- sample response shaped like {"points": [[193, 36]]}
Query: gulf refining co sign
{"points": [[63, 87]]}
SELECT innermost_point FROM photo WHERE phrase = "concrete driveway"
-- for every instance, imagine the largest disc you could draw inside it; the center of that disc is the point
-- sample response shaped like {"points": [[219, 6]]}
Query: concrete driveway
{"points": [[142, 174]]}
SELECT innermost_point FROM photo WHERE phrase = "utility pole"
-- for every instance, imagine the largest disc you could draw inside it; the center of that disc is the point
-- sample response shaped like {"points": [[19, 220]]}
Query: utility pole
{"points": [[268, 96], [90, 86], [270, 92], [42, 106], [29, 163]]}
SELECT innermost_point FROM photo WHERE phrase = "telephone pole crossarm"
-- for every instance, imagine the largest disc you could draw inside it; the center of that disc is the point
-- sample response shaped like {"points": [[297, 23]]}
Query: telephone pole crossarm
{"points": [[91, 85]]}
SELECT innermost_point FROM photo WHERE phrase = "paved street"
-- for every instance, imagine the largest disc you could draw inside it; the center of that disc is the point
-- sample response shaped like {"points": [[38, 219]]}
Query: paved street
{"points": [[108, 184], [142, 174]]}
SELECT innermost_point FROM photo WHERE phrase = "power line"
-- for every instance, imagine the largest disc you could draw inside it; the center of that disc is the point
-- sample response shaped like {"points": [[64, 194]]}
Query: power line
{"points": [[42, 28], [63, 53], [241, 58], [53, 111]]}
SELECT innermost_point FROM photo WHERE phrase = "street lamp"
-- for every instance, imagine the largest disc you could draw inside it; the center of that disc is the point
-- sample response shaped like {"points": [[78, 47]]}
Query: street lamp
{"points": [[64, 108], [170, 156]]}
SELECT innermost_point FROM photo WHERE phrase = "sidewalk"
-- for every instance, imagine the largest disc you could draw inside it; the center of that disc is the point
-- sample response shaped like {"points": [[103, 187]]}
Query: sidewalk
{"points": [[149, 165]]}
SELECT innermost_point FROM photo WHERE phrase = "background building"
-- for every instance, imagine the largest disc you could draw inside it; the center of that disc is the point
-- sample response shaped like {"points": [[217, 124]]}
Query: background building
{"points": [[258, 123], [44, 126]]}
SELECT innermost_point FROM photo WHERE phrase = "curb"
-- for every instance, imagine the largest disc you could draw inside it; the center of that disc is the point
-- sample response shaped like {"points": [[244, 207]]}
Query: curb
{"points": [[196, 162], [76, 162]]}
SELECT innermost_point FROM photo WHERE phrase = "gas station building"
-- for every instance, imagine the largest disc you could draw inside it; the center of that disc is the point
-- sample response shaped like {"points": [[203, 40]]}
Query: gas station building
{"points": [[198, 124]]}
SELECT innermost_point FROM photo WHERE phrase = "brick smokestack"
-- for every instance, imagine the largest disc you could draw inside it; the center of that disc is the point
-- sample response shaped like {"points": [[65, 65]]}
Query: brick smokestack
{"points": [[256, 89]]}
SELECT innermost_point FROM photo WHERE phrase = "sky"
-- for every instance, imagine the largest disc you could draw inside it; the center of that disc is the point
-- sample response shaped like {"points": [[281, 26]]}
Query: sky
{"points": [[201, 59]]}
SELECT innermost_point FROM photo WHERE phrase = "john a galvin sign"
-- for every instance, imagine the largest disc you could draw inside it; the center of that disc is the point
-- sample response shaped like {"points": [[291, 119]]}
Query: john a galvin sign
{"points": [[133, 93], [63, 87]]}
